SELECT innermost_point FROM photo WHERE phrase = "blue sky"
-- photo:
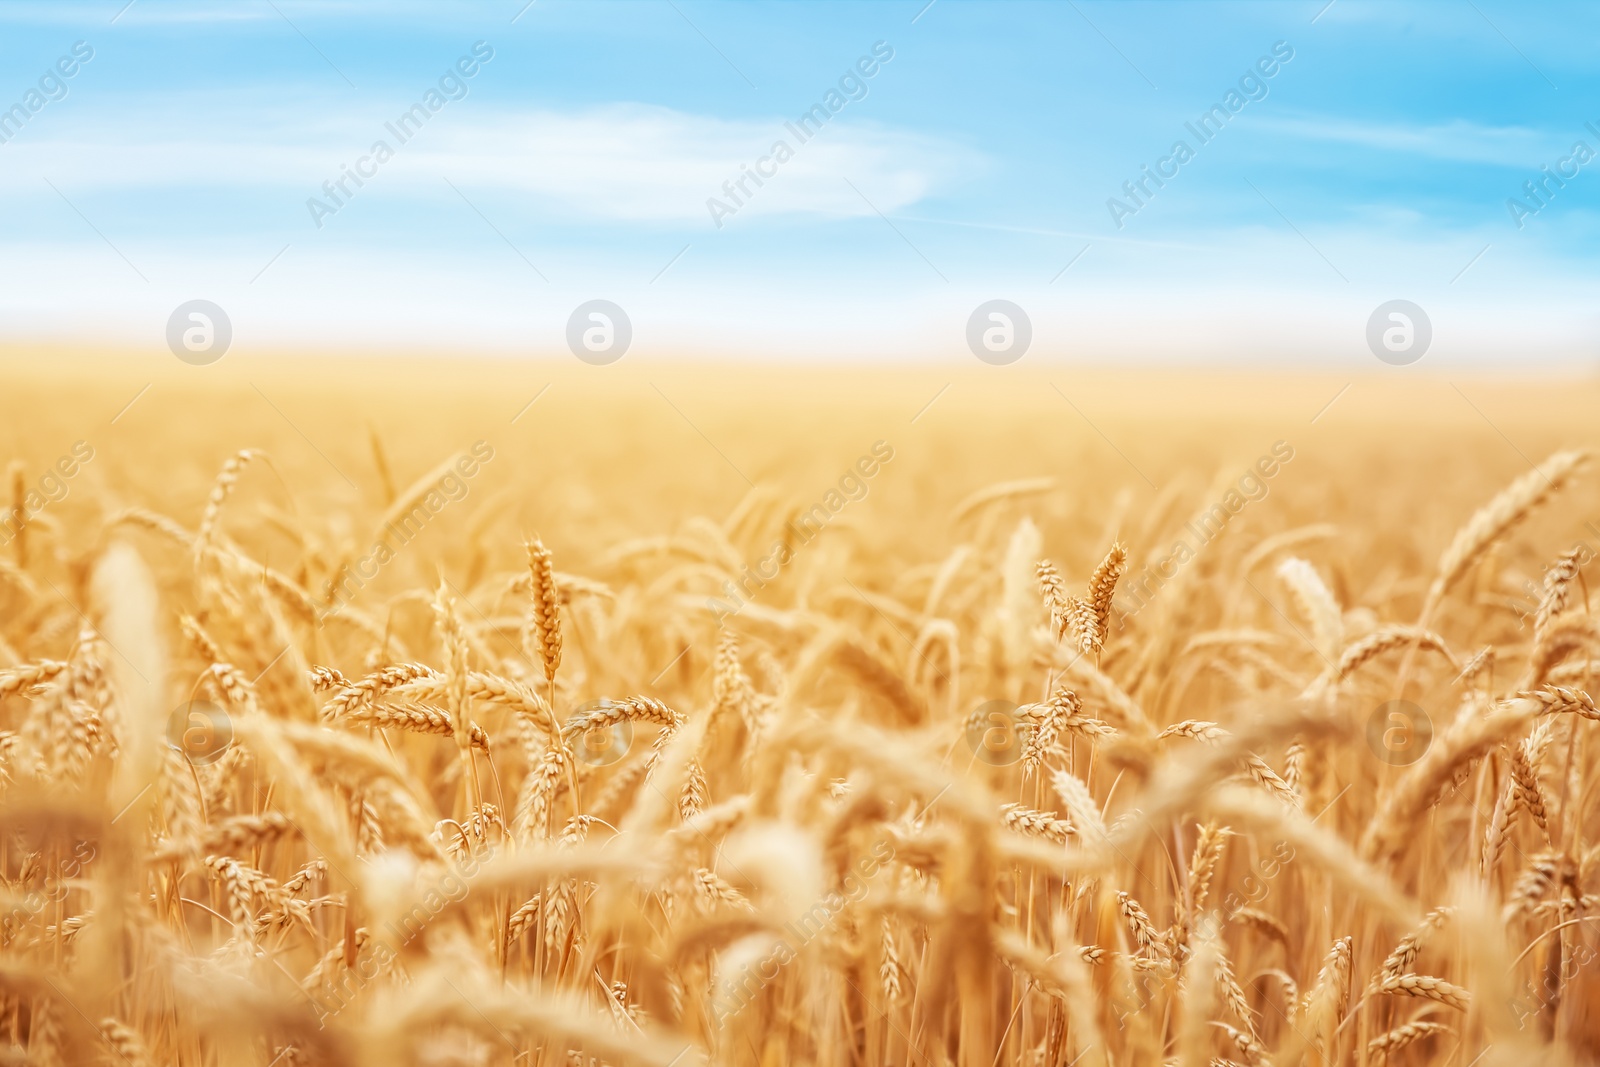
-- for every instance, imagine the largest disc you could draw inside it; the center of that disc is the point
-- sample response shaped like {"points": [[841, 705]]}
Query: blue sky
{"points": [[975, 163]]}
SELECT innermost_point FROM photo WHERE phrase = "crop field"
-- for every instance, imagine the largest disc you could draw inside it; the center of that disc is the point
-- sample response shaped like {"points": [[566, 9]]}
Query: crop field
{"points": [[499, 713]]}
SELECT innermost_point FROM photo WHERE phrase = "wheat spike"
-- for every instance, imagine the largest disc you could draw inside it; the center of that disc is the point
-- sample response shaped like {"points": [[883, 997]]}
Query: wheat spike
{"points": [[1368, 648], [1056, 600], [1317, 605], [1427, 987], [1492, 521], [1405, 1034], [1410, 946], [1102, 589], [544, 610], [1043, 824], [1558, 581]]}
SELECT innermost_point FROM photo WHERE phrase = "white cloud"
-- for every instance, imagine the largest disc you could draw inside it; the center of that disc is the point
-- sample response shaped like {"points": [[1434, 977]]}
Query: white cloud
{"points": [[650, 163], [629, 162], [1457, 140], [94, 14]]}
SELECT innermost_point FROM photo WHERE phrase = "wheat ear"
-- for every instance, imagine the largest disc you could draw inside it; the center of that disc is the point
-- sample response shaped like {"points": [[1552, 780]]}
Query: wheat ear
{"points": [[1492, 521], [544, 617]]}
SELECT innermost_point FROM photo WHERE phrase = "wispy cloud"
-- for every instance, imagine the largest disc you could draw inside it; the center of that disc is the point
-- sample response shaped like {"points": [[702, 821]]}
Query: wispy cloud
{"points": [[651, 163], [1457, 140], [630, 162], [90, 13]]}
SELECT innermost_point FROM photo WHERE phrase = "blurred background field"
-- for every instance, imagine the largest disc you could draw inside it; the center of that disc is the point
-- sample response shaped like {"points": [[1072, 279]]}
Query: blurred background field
{"points": [[598, 461], [591, 457]]}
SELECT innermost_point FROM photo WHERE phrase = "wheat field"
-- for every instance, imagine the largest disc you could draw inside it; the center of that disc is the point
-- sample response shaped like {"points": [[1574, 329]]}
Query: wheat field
{"points": [[490, 713]]}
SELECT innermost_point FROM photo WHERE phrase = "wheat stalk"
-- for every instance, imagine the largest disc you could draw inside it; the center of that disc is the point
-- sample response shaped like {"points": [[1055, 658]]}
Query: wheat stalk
{"points": [[1492, 521]]}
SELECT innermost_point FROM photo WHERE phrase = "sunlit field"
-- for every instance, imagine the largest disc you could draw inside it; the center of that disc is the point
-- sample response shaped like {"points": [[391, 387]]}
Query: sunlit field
{"points": [[465, 712]]}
